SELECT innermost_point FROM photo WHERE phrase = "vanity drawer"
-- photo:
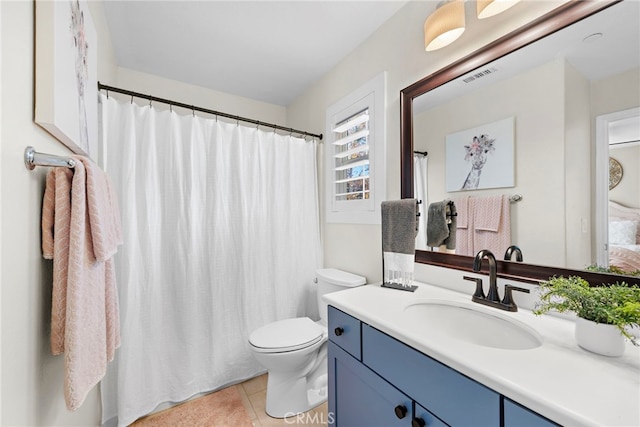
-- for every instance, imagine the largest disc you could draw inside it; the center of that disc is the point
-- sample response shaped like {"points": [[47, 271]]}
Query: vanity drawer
{"points": [[344, 330], [451, 396]]}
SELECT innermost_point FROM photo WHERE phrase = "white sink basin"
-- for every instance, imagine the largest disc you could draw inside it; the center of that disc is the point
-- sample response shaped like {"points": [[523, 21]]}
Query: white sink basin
{"points": [[473, 325]]}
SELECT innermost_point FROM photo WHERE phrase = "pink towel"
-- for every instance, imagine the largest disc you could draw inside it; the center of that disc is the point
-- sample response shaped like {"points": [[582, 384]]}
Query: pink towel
{"points": [[464, 233], [81, 235], [492, 224], [104, 217], [56, 216], [462, 208], [487, 213]]}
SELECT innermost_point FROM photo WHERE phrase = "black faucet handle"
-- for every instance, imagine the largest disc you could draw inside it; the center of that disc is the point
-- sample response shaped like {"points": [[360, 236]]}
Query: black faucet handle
{"points": [[508, 297], [510, 251], [479, 293]]}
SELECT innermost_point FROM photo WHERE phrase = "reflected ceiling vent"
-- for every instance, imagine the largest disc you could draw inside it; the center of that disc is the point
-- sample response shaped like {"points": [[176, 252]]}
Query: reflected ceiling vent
{"points": [[479, 74]]}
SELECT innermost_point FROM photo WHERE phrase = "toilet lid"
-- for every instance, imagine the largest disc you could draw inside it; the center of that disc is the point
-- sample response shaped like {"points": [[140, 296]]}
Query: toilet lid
{"points": [[286, 335]]}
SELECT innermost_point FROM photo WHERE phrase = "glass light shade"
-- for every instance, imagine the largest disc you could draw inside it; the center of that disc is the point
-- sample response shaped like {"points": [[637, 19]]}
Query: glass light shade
{"points": [[488, 8], [444, 25]]}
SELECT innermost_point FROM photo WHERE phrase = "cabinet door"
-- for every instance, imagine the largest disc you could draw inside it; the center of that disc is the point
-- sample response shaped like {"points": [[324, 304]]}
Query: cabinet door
{"points": [[427, 418], [360, 398], [516, 415], [451, 396]]}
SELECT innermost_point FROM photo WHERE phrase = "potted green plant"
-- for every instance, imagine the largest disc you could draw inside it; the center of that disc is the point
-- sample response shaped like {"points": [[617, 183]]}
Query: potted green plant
{"points": [[604, 312]]}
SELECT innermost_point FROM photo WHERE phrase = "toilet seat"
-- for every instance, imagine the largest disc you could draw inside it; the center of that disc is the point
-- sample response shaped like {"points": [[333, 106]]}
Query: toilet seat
{"points": [[286, 335]]}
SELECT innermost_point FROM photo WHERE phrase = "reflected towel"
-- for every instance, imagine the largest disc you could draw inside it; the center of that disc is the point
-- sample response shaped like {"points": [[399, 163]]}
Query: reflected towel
{"points": [[437, 229], [464, 234], [442, 224], [462, 206], [487, 212], [452, 224], [85, 317], [492, 223]]}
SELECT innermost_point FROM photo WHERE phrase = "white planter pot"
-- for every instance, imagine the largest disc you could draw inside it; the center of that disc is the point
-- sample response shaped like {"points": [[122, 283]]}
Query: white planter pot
{"points": [[599, 338]]}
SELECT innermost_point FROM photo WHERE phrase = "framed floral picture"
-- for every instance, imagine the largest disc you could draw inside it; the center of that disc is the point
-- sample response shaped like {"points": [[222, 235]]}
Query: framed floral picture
{"points": [[66, 74], [482, 157]]}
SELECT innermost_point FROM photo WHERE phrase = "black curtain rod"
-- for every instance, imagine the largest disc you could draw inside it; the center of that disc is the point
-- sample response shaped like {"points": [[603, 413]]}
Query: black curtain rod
{"points": [[424, 153], [152, 98]]}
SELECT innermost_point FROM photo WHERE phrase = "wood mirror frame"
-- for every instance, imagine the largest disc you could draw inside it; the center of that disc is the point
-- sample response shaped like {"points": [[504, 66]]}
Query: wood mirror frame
{"points": [[555, 20]]}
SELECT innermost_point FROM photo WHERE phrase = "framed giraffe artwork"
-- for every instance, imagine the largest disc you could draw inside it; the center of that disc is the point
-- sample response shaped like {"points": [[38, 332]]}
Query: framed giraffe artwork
{"points": [[66, 103], [481, 157]]}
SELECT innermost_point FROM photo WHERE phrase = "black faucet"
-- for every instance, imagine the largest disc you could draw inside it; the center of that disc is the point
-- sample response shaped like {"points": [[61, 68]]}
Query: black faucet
{"points": [[492, 299], [493, 273], [510, 251]]}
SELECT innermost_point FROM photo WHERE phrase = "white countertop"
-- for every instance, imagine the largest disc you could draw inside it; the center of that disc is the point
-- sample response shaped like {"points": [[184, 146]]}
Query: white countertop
{"points": [[558, 380]]}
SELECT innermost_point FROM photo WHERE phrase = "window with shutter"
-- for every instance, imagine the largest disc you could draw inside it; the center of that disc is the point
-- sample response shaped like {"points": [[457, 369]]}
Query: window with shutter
{"points": [[351, 158], [355, 164]]}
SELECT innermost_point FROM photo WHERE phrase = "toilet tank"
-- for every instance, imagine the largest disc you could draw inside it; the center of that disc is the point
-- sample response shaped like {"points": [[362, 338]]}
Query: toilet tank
{"points": [[333, 280]]}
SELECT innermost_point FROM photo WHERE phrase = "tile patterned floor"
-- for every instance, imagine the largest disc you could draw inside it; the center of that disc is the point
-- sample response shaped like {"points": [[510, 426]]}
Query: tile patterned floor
{"points": [[254, 394]]}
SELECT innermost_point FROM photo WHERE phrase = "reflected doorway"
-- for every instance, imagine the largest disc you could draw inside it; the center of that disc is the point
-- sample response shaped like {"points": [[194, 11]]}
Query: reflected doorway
{"points": [[617, 178]]}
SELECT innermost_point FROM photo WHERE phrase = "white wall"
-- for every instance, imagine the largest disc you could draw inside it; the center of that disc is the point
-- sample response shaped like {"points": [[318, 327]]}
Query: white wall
{"points": [[199, 96], [613, 94], [396, 47], [578, 191], [618, 93], [0, 213], [536, 148], [552, 162], [32, 379], [31, 391]]}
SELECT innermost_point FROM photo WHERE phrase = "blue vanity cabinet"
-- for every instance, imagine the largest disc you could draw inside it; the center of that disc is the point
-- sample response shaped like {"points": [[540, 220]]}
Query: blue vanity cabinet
{"points": [[451, 396], [516, 415], [357, 395], [344, 330], [378, 381], [427, 417], [360, 398]]}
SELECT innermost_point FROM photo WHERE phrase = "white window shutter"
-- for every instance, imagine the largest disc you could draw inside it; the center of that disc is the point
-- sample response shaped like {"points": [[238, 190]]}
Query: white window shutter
{"points": [[351, 158], [355, 155]]}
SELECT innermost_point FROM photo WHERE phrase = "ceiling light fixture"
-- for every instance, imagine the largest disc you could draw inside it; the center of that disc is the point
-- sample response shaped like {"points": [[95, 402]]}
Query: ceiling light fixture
{"points": [[444, 25], [488, 8]]}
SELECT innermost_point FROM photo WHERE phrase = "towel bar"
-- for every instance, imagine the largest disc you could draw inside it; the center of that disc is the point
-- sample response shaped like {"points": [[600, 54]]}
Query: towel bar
{"points": [[32, 159]]}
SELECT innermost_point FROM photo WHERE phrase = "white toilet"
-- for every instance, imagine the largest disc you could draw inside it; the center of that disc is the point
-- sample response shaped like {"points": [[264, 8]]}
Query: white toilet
{"points": [[294, 351]]}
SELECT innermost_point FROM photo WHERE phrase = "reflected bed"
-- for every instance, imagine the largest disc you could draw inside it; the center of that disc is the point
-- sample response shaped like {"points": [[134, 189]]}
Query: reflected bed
{"points": [[624, 237]]}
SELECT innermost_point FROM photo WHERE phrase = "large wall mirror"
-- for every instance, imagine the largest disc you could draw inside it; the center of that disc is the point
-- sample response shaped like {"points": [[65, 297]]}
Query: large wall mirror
{"points": [[555, 78]]}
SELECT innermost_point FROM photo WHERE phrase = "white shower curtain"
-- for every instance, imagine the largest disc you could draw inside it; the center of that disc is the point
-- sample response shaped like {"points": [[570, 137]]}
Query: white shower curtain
{"points": [[221, 235], [420, 193]]}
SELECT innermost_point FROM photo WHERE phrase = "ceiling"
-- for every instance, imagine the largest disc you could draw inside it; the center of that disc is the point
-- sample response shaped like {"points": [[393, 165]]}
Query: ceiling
{"points": [[270, 51]]}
